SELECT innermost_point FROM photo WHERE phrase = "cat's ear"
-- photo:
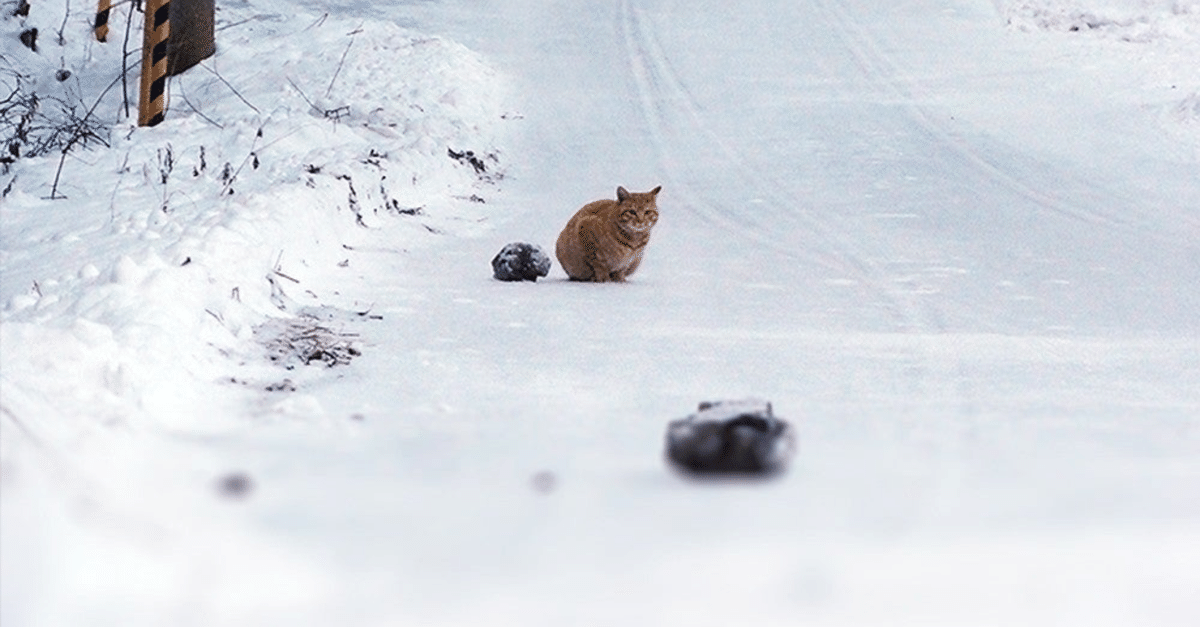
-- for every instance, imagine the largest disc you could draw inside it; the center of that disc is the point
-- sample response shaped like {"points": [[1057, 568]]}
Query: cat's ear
{"points": [[656, 190], [622, 194]]}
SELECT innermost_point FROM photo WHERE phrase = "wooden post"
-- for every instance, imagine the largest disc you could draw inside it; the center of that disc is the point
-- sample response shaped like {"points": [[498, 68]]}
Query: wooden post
{"points": [[101, 25], [152, 102], [192, 35]]}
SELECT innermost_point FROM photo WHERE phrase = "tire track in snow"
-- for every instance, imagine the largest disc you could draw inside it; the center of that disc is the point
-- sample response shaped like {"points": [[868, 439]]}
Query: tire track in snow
{"points": [[886, 75], [1086, 210], [665, 101], [673, 117]]}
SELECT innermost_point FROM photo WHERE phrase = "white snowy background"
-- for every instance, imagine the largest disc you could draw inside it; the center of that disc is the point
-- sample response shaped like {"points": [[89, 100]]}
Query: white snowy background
{"points": [[955, 242]]}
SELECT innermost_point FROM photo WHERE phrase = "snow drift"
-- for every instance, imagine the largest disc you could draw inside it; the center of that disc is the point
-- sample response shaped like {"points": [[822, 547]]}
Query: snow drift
{"points": [[162, 250], [137, 281]]}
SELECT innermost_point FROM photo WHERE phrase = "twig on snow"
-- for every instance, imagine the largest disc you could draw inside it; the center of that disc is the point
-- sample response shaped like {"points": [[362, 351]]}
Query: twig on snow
{"points": [[125, 60], [229, 176], [78, 134], [353, 35], [231, 87], [277, 269], [281, 274], [335, 114], [195, 109], [63, 26], [22, 427]]}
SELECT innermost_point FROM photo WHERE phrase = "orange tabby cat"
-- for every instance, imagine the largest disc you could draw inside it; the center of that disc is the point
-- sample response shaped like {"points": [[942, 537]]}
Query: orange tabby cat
{"points": [[605, 239]]}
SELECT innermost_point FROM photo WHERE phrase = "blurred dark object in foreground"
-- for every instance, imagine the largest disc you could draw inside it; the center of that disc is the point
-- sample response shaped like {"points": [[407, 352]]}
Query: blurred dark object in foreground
{"points": [[731, 438], [235, 485]]}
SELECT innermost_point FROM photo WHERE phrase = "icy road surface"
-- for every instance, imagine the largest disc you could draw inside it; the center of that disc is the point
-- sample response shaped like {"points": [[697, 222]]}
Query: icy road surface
{"points": [[964, 263]]}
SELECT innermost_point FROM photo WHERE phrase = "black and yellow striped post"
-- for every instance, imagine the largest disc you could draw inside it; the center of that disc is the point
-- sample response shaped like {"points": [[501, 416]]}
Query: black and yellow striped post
{"points": [[101, 25], [153, 99]]}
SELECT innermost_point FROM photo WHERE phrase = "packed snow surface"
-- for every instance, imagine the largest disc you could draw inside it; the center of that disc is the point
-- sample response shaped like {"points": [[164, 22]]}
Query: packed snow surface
{"points": [[255, 370]]}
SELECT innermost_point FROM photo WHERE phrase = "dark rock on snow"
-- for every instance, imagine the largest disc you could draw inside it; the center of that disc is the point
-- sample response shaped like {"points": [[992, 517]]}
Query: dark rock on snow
{"points": [[731, 437], [520, 262]]}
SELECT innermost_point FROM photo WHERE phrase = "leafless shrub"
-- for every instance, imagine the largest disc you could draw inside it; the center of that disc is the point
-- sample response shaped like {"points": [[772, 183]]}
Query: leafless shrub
{"points": [[33, 126]]}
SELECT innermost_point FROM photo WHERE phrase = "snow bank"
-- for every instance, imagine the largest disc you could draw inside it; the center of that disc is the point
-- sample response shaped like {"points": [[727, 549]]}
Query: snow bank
{"points": [[135, 291], [164, 249], [1156, 41], [1126, 20], [132, 285]]}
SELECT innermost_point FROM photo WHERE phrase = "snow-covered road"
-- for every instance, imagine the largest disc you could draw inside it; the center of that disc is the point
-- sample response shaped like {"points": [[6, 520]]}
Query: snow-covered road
{"points": [[963, 259], [946, 177], [988, 342]]}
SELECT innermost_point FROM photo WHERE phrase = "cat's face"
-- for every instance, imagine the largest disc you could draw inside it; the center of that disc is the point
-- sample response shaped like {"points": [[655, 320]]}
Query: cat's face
{"points": [[638, 213]]}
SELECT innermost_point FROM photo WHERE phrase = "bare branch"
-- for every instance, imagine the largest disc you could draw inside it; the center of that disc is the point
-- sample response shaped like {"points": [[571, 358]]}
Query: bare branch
{"points": [[342, 61], [231, 87]]}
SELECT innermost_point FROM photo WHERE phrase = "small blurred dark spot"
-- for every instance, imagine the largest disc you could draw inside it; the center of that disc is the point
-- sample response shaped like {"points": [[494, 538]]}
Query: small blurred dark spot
{"points": [[543, 482], [235, 485], [62, 75], [357, 417]]}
